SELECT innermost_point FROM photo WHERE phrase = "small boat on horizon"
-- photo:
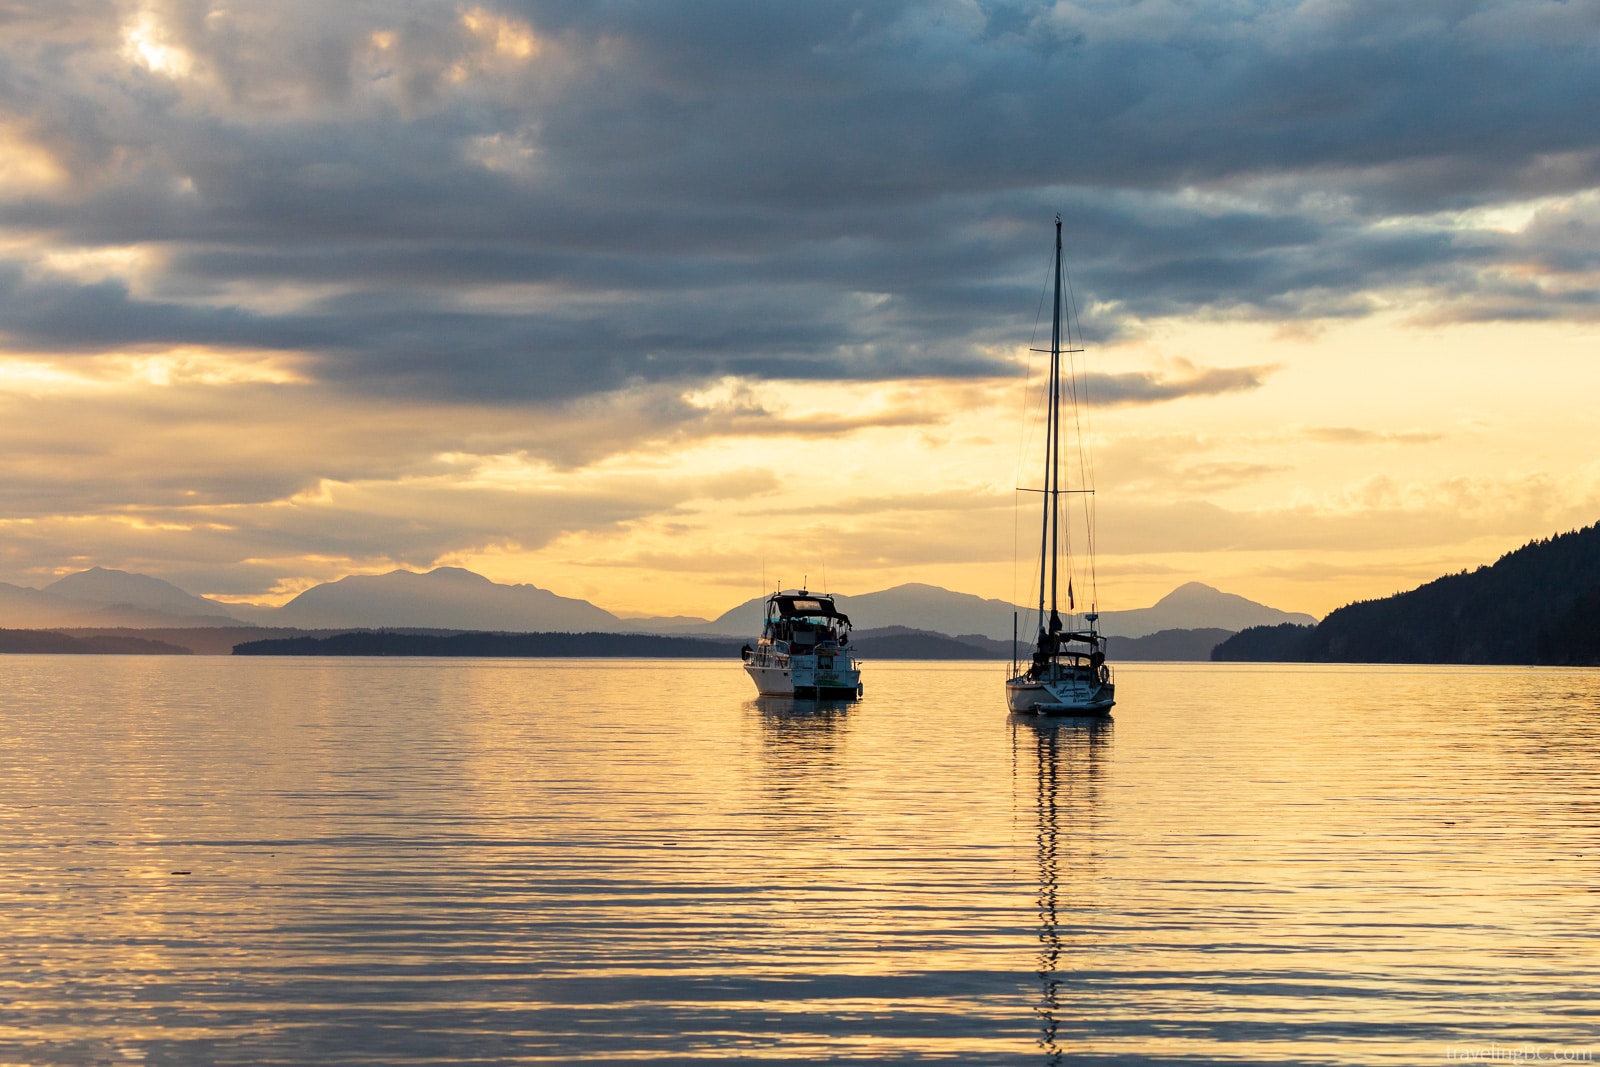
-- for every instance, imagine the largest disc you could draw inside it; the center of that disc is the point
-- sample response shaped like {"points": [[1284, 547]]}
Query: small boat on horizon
{"points": [[804, 649], [1067, 673]]}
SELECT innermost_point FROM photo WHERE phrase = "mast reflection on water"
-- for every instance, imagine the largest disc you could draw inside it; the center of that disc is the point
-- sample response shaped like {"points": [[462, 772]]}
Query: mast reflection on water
{"points": [[1069, 759]]}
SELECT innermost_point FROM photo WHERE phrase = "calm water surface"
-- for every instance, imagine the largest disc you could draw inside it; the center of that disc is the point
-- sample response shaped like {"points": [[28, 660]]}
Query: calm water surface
{"points": [[212, 860]]}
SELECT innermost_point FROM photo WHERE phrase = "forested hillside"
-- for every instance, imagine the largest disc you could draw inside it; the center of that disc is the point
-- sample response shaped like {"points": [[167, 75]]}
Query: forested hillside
{"points": [[1539, 605], [1284, 643]]}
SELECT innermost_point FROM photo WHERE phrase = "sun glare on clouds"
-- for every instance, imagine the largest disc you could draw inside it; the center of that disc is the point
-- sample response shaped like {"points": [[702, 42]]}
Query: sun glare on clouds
{"points": [[24, 164], [147, 43], [505, 36]]}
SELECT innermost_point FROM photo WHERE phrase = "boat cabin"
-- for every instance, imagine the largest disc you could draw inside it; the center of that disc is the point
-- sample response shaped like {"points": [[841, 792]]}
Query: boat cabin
{"points": [[1056, 647], [803, 621]]}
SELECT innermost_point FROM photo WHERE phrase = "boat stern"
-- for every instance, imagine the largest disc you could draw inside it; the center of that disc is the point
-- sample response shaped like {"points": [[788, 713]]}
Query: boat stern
{"points": [[1025, 695]]}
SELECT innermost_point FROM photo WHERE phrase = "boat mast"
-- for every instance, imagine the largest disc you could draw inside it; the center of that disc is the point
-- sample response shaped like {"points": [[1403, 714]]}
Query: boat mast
{"points": [[1053, 485], [1045, 555]]}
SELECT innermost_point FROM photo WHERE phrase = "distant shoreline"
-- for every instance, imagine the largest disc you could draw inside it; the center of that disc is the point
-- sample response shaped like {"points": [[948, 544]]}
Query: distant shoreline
{"points": [[887, 643], [494, 645], [54, 642]]}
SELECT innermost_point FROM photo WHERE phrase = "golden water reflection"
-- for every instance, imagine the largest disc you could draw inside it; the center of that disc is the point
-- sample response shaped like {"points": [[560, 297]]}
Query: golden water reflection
{"points": [[1066, 762], [523, 862]]}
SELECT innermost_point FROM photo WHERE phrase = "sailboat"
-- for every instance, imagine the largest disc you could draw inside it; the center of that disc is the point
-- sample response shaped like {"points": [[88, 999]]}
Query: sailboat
{"points": [[1067, 673]]}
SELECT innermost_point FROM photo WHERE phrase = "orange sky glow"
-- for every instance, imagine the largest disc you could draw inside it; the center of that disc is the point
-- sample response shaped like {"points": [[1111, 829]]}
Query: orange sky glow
{"points": [[659, 318]]}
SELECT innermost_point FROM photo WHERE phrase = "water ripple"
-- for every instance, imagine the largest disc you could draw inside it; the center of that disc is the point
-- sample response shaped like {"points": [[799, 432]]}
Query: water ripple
{"points": [[293, 861]]}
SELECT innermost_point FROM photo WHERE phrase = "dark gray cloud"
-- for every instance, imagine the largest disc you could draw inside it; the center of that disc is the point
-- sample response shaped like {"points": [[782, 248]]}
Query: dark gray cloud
{"points": [[670, 193]]}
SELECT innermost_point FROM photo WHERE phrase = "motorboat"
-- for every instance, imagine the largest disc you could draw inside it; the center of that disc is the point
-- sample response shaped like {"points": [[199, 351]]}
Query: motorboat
{"points": [[804, 649]]}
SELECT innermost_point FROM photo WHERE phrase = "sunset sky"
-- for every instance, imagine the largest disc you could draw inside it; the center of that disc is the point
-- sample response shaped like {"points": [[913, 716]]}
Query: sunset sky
{"points": [[643, 302]]}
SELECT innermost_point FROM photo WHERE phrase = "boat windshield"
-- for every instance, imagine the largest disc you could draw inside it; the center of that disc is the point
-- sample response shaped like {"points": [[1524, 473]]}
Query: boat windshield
{"points": [[797, 607]]}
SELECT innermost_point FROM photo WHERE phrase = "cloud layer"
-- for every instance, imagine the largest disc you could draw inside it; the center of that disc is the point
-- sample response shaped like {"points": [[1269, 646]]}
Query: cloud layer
{"points": [[538, 201], [539, 229]]}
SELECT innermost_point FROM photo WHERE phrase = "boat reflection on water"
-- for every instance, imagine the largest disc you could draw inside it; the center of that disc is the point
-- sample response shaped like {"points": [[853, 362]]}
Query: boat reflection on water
{"points": [[801, 709], [1069, 758], [802, 733], [802, 742]]}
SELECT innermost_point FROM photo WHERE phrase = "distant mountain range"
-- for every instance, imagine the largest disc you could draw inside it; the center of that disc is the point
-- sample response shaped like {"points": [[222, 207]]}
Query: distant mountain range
{"points": [[449, 598], [1190, 606], [890, 642], [900, 642], [1537, 605], [105, 598], [499, 645], [1194, 606]]}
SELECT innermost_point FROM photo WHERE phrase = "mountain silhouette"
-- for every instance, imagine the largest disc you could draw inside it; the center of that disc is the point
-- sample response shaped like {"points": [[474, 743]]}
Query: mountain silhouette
{"points": [[447, 598], [450, 598], [111, 588], [1194, 606], [928, 607], [108, 598], [21, 607]]}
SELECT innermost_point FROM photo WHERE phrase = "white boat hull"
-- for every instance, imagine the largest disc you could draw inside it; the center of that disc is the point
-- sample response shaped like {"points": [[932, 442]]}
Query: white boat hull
{"points": [[1060, 696], [802, 679]]}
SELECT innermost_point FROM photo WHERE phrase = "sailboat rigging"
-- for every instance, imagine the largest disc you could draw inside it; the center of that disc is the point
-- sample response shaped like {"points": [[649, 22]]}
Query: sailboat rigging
{"points": [[1067, 673]]}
